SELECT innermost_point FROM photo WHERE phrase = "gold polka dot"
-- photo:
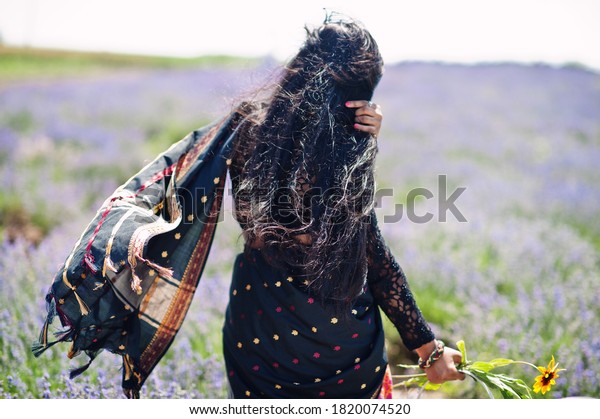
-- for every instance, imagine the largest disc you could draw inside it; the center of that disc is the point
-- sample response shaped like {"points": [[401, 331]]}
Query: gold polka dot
{"points": [[204, 199], [295, 332], [265, 285], [239, 345], [151, 272], [177, 236], [234, 292], [247, 393], [228, 162], [278, 283], [256, 341], [248, 287], [61, 301], [190, 217], [357, 360], [354, 312], [275, 337], [112, 317], [127, 307], [363, 386], [121, 347], [124, 332], [306, 282], [378, 369], [216, 180], [317, 380], [338, 372], [314, 329], [334, 320], [164, 254], [290, 279], [83, 275], [277, 386]]}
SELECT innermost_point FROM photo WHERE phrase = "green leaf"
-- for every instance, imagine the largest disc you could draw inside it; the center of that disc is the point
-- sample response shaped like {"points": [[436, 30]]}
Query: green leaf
{"points": [[430, 386], [509, 387], [478, 380], [463, 351], [481, 366], [490, 365], [418, 381]]}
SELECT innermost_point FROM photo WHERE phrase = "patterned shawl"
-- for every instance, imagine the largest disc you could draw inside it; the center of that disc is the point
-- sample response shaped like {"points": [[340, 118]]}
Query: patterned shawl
{"points": [[129, 281]]}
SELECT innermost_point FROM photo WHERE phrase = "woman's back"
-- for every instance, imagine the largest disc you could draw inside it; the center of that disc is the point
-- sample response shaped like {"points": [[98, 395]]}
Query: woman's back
{"points": [[302, 173]]}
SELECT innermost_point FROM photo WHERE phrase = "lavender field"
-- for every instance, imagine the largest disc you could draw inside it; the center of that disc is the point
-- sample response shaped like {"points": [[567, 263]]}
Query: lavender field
{"points": [[517, 279]]}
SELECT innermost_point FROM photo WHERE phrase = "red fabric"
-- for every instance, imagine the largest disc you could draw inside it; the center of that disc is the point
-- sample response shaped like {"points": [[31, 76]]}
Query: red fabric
{"points": [[387, 386]]}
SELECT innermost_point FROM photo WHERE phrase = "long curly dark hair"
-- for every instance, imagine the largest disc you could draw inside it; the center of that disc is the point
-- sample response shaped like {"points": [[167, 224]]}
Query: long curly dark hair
{"points": [[311, 172]]}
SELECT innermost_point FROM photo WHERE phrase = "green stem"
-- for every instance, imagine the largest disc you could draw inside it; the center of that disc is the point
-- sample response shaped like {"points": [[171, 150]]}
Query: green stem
{"points": [[525, 363], [409, 376]]}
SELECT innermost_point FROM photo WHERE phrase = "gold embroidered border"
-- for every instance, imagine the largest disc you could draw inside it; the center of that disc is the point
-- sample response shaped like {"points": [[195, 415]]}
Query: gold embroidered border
{"points": [[178, 308]]}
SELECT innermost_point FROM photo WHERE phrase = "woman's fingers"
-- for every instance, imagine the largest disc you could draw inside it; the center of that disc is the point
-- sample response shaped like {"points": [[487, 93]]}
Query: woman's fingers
{"points": [[444, 369], [453, 360], [365, 107], [368, 116], [371, 129], [358, 103]]}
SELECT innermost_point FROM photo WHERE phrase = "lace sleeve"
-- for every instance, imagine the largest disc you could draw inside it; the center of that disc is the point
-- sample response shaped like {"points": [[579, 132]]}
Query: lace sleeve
{"points": [[390, 289]]}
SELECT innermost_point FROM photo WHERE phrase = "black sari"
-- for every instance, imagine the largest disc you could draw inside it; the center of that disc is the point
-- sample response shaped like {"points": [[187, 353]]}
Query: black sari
{"points": [[130, 279], [281, 343]]}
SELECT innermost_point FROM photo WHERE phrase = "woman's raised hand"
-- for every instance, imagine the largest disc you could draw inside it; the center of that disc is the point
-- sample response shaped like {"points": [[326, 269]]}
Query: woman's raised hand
{"points": [[367, 117]]}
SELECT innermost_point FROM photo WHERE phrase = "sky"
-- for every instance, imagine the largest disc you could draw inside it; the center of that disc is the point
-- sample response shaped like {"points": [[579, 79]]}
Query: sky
{"points": [[465, 31]]}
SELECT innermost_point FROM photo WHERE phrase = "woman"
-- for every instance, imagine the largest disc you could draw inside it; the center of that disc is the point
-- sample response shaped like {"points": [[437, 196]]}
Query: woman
{"points": [[302, 319]]}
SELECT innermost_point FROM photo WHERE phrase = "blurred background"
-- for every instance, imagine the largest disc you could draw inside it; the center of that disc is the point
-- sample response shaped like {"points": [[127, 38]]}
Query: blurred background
{"points": [[501, 98]]}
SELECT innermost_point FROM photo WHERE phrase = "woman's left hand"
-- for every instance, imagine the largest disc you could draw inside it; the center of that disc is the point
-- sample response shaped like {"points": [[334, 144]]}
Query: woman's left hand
{"points": [[444, 369], [367, 117]]}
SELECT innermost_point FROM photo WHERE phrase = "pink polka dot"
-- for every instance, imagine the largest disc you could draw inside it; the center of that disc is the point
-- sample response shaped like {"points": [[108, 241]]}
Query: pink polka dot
{"points": [[256, 368], [337, 348], [354, 336], [341, 381], [321, 394], [295, 361], [278, 309], [357, 367], [259, 312], [292, 308], [310, 300], [275, 364], [317, 355], [231, 373]]}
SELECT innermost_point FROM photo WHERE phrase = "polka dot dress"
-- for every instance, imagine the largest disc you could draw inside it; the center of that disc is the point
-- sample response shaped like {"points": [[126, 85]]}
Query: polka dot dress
{"points": [[279, 341]]}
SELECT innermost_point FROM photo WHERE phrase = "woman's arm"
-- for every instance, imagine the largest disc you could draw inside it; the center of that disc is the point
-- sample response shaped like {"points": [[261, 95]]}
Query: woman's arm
{"points": [[392, 293]]}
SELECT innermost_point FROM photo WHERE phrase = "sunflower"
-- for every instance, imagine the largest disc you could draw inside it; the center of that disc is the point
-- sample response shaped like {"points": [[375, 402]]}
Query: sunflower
{"points": [[547, 378]]}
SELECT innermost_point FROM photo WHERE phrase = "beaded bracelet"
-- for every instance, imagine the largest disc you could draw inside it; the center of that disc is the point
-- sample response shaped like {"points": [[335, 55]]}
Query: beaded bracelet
{"points": [[435, 355]]}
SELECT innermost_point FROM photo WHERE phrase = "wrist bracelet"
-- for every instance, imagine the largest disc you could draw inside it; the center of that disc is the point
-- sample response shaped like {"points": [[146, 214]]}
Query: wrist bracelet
{"points": [[435, 355]]}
